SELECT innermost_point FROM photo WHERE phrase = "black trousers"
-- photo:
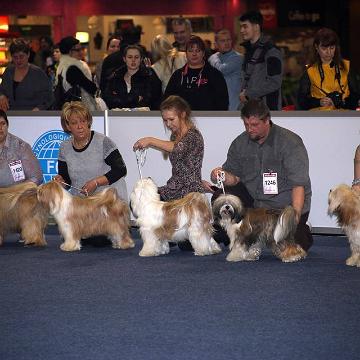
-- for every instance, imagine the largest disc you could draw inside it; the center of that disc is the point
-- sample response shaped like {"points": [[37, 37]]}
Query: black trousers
{"points": [[303, 235]]}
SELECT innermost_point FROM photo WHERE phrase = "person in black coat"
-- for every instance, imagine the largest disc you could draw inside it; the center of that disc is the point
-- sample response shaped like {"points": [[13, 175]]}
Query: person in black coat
{"points": [[200, 84], [133, 85]]}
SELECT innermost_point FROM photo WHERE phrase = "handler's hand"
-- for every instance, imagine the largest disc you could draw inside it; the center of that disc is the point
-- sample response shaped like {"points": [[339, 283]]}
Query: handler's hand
{"points": [[208, 187], [214, 173], [142, 143], [58, 178]]}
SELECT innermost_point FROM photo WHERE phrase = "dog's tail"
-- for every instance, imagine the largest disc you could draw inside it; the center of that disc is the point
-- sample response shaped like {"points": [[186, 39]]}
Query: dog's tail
{"points": [[13, 198], [108, 196], [286, 224]]}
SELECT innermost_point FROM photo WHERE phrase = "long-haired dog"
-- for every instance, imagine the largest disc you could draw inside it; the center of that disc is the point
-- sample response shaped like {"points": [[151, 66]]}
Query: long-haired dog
{"points": [[250, 230], [101, 214], [21, 212], [177, 220], [344, 203]]}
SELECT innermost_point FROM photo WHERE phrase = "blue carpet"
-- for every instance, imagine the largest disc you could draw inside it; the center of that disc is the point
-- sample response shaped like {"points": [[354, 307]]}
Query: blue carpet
{"points": [[101, 303]]}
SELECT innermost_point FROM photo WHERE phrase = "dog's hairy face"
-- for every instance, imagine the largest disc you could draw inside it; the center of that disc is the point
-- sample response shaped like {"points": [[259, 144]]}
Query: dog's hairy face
{"points": [[144, 191], [228, 207], [50, 195], [344, 202]]}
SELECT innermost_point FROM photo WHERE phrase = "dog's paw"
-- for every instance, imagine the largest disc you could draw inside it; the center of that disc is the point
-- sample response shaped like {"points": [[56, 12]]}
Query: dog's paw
{"points": [[146, 253], [292, 253], [71, 247], [353, 260], [35, 242], [236, 256], [125, 243]]}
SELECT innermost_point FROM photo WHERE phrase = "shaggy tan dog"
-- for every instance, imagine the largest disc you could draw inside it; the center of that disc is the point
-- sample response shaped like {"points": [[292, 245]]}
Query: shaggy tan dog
{"points": [[101, 214], [250, 230], [344, 203], [21, 212]]}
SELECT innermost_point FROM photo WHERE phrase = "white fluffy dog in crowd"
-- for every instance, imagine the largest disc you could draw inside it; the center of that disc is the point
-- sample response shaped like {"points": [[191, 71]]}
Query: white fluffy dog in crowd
{"points": [[101, 214], [344, 203], [21, 212], [250, 230], [188, 218]]}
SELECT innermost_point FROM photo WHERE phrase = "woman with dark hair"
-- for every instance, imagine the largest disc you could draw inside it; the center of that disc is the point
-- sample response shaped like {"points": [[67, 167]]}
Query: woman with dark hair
{"points": [[133, 85], [112, 45], [200, 84], [328, 83], [17, 161], [24, 86]]}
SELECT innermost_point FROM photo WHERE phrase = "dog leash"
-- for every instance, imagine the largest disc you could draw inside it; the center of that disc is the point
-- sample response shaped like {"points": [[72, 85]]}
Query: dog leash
{"points": [[140, 159], [220, 179], [74, 187]]}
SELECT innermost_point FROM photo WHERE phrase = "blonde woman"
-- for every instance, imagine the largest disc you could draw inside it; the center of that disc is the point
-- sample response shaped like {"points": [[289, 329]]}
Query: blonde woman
{"points": [[185, 149], [88, 160], [166, 59]]}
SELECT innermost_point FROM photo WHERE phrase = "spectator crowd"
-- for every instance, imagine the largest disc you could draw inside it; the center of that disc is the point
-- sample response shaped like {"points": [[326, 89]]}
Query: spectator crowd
{"points": [[221, 79]]}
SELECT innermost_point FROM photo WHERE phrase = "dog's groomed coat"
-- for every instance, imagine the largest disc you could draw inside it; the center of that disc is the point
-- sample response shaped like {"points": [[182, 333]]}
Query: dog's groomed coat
{"points": [[101, 214], [176, 220], [344, 203], [21, 212], [251, 229]]}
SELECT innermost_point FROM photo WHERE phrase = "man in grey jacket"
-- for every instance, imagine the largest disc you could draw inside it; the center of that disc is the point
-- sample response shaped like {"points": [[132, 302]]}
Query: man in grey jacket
{"points": [[267, 166], [263, 64]]}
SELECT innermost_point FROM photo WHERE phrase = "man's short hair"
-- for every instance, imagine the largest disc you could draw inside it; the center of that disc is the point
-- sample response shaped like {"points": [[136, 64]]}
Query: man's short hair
{"points": [[254, 17], [257, 108], [222, 32], [182, 21]]}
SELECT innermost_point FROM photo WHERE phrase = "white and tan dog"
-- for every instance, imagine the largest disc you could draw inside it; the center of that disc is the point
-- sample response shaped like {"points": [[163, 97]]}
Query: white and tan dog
{"points": [[21, 212], [188, 218], [344, 203], [101, 214], [250, 230]]}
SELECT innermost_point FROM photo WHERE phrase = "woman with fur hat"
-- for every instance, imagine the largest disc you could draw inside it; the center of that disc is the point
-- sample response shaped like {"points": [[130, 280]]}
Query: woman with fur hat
{"points": [[73, 76]]}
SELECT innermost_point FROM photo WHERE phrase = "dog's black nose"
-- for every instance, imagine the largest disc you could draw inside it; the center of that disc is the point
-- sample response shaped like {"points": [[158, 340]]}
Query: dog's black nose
{"points": [[227, 207]]}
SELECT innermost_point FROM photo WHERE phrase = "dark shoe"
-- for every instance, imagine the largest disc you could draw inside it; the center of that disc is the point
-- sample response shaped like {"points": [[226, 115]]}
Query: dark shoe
{"points": [[185, 246], [220, 235], [96, 241]]}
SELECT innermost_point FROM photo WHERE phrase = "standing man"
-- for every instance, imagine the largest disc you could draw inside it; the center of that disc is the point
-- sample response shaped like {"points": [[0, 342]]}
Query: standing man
{"points": [[263, 152], [182, 32], [263, 65], [229, 62]]}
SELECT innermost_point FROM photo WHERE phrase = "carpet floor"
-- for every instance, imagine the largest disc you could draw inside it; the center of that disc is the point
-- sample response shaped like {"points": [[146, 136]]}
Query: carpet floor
{"points": [[101, 303]]}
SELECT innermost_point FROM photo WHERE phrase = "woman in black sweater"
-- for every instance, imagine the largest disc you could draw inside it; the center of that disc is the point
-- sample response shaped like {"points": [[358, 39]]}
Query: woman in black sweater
{"points": [[133, 85], [200, 84]]}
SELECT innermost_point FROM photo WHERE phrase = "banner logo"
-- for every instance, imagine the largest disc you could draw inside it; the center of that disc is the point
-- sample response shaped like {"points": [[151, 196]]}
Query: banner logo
{"points": [[46, 148]]}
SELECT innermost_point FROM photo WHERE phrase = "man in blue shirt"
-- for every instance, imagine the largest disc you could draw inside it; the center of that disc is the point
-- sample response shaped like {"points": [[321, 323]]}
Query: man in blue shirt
{"points": [[229, 62]]}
